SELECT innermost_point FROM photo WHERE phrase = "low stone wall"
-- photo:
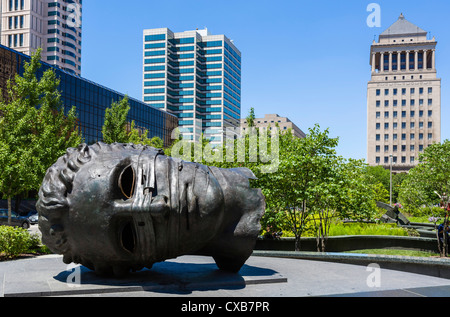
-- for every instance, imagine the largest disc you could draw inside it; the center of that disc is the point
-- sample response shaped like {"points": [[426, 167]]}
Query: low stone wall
{"points": [[351, 243], [438, 267]]}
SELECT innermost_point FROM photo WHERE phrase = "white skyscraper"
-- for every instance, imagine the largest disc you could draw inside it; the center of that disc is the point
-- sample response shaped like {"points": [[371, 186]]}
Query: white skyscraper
{"points": [[54, 25]]}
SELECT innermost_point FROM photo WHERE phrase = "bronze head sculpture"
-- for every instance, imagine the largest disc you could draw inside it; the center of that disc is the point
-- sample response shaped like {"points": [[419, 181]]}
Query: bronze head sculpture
{"points": [[121, 207]]}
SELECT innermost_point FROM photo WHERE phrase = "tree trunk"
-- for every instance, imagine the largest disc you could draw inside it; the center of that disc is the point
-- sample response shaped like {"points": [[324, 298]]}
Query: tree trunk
{"points": [[444, 237], [297, 242], [9, 211]]}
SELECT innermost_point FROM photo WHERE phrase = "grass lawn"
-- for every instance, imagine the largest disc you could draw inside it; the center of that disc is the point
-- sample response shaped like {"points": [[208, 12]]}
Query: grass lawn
{"points": [[396, 252]]}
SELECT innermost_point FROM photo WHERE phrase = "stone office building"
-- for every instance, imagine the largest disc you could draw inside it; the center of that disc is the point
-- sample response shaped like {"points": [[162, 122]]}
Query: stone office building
{"points": [[54, 25], [403, 97]]}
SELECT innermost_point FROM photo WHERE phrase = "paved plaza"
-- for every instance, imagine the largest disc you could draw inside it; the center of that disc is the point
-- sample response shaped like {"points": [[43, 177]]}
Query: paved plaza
{"points": [[195, 276]]}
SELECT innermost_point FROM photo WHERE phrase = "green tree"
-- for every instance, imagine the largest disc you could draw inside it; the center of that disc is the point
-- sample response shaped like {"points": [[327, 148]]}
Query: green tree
{"points": [[301, 182], [428, 183], [251, 118], [117, 129], [115, 126], [34, 130], [430, 179]]}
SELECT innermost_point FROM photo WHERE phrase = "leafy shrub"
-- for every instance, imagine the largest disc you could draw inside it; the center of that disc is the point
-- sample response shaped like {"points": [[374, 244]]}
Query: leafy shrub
{"points": [[342, 229], [427, 211], [15, 241]]}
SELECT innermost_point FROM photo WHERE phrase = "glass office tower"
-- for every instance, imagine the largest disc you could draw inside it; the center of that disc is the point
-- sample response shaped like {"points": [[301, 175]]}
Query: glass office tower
{"points": [[197, 77], [91, 100]]}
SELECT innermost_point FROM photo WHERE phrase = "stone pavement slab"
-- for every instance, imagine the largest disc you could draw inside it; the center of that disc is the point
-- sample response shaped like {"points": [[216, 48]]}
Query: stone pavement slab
{"points": [[195, 276], [49, 276]]}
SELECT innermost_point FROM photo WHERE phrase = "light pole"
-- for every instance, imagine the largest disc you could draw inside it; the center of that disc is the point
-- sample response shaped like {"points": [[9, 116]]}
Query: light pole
{"points": [[390, 181]]}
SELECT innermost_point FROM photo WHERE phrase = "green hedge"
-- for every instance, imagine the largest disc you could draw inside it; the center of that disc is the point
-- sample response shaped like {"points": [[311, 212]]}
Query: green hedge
{"points": [[15, 241]]}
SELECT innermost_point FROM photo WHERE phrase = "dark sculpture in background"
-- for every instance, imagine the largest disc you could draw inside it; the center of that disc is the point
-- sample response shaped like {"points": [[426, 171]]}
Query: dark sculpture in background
{"points": [[121, 207]]}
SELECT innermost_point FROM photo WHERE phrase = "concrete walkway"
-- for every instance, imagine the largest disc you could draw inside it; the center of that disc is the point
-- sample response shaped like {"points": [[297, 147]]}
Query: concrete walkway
{"points": [[194, 276]]}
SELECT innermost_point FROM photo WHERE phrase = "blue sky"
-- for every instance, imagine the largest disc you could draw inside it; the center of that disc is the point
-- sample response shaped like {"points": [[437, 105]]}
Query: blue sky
{"points": [[307, 60]]}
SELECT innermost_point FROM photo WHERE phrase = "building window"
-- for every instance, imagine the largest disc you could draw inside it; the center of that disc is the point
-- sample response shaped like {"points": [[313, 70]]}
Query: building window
{"points": [[430, 90], [378, 92], [386, 114], [377, 126]]}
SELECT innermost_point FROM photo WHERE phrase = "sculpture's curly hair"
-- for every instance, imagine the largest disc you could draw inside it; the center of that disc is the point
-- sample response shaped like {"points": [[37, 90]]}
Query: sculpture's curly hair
{"points": [[53, 204]]}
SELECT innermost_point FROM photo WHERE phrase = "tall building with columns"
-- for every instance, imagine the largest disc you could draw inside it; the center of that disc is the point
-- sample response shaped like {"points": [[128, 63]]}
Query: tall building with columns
{"points": [[403, 97], [53, 25]]}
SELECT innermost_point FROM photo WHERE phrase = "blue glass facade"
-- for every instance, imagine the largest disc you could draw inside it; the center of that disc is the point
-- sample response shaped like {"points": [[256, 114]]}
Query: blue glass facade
{"points": [[195, 76], [91, 100]]}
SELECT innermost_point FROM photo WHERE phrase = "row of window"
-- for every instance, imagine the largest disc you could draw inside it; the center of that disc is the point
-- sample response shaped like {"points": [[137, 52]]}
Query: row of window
{"points": [[412, 148], [15, 5], [412, 125], [162, 37], [412, 114], [412, 136], [16, 22], [412, 102], [395, 159], [15, 40], [411, 91]]}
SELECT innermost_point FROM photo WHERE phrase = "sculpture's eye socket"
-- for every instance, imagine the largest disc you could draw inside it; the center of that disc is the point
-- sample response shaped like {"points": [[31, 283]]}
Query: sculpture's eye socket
{"points": [[127, 181]]}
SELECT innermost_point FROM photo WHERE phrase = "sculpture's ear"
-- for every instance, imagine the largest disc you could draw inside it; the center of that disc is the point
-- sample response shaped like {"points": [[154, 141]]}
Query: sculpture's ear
{"points": [[244, 171]]}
